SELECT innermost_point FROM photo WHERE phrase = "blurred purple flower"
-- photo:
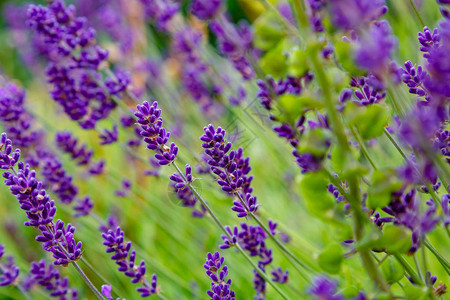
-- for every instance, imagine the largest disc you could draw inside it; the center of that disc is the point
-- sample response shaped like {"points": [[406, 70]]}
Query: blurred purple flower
{"points": [[8, 271], [205, 9], [323, 288]]}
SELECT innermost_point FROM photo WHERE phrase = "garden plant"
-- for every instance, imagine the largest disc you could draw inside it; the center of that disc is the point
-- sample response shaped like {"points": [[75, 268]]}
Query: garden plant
{"points": [[225, 149]]}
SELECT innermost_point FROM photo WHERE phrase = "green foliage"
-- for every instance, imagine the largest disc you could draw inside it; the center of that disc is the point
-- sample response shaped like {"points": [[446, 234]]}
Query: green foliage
{"points": [[370, 120], [269, 31], [392, 270], [383, 183], [331, 258], [313, 189]]}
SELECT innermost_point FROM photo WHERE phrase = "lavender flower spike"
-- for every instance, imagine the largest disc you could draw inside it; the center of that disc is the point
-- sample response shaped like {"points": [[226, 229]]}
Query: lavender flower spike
{"points": [[34, 200], [51, 280], [149, 118], [220, 289], [114, 242]]}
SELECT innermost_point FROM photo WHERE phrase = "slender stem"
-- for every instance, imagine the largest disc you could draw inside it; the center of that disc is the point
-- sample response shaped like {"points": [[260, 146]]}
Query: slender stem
{"points": [[409, 270], [81, 273], [413, 5], [100, 276], [255, 266], [161, 297], [336, 123], [438, 256], [359, 220], [283, 248], [419, 270], [87, 281], [363, 148], [354, 199], [396, 145], [23, 291], [400, 150], [218, 223]]}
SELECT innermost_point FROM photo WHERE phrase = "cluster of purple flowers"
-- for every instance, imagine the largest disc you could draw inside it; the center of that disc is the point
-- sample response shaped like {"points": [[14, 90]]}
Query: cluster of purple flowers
{"points": [[292, 130], [150, 120], [48, 277], [19, 125], [404, 210], [217, 272], [115, 244], [160, 11], [180, 185], [232, 169], [33, 199], [67, 143], [252, 239], [75, 59]]}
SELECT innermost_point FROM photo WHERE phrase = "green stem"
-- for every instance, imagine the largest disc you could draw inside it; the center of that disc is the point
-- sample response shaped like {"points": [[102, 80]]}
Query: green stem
{"points": [[413, 5], [336, 123], [286, 252], [363, 148], [438, 256], [221, 226], [396, 145], [360, 218], [80, 271], [100, 276], [419, 270], [409, 270], [87, 281]]}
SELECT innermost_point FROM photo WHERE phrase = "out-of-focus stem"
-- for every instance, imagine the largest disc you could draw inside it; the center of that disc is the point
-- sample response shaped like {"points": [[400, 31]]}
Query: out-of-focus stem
{"points": [[217, 221], [354, 199], [409, 270], [363, 148], [438, 256], [413, 5]]}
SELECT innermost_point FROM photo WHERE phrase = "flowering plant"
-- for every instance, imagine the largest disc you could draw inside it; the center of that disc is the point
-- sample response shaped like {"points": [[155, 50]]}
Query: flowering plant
{"points": [[314, 136]]}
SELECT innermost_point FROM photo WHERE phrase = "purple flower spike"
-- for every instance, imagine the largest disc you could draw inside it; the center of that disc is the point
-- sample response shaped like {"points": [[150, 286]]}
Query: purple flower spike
{"points": [[126, 187], [231, 169], [150, 120], [446, 208], [109, 136], [74, 60], [8, 157], [352, 14], [125, 259], [280, 276], [217, 272], [375, 49], [69, 144], [324, 288], [83, 207], [184, 193], [205, 9], [8, 271], [414, 79], [40, 210], [51, 280], [429, 39]]}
